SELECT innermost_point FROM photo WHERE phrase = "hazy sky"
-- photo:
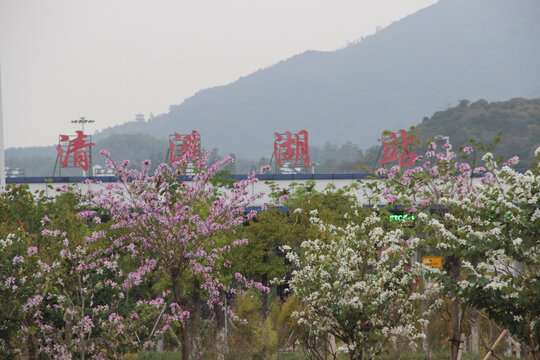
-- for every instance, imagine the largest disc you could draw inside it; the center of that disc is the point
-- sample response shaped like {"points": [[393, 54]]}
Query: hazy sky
{"points": [[111, 59]]}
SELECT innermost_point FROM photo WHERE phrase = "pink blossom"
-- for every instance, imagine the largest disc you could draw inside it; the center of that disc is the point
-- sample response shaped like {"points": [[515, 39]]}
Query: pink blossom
{"points": [[18, 259], [45, 220], [86, 214], [479, 170], [380, 171], [32, 250], [512, 161]]}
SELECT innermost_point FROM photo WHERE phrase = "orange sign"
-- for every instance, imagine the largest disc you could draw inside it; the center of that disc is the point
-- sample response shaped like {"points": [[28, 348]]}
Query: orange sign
{"points": [[432, 261]]}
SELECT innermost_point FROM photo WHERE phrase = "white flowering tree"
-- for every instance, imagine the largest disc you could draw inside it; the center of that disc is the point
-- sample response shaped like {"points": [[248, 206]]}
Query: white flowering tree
{"points": [[477, 218], [505, 283], [441, 194], [359, 284]]}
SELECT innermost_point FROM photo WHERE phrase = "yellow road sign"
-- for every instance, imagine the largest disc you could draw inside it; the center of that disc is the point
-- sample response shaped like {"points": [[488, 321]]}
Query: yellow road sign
{"points": [[432, 261]]}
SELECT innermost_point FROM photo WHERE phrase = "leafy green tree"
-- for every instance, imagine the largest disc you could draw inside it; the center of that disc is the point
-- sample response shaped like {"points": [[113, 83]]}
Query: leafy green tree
{"points": [[261, 259]]}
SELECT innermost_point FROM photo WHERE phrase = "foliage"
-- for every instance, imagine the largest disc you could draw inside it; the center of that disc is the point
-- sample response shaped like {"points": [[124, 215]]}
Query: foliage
{"points": [[157, 258], [288, 329], [260, 259], [256, 338]]}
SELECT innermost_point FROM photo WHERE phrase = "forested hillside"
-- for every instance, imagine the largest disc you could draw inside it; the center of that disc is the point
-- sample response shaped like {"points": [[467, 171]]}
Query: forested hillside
{"points": [[518, 119]]}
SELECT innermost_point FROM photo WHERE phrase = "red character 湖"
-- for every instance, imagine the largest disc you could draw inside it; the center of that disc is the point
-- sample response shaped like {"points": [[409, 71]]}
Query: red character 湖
{"points": [[293, 146]]}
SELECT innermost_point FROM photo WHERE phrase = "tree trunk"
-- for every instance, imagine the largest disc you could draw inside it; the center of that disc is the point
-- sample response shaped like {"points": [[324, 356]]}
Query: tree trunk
{"points": [[69, 332], [453, 271], [190, 333], [196, 336], [193, 330], [191, 337], [185, 338], [32, 351], [222, 347]]}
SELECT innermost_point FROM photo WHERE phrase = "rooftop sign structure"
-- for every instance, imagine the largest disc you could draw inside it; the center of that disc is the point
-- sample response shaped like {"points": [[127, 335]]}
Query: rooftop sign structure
{"points": [[180, 144], [291, 151], [392, 147], [72, 151]]}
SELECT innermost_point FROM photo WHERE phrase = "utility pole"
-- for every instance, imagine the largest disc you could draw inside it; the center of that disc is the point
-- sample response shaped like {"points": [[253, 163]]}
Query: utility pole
{"points": [[2, 157]]}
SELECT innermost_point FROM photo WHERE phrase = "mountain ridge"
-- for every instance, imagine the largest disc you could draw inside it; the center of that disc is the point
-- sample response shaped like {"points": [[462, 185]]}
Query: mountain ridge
{"points": [[452, 50]]}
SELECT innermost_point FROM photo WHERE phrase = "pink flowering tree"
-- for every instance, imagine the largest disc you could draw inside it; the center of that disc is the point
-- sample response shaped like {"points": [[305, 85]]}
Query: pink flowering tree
{"points": [[76, 293], [61, 284], [176, 229]]}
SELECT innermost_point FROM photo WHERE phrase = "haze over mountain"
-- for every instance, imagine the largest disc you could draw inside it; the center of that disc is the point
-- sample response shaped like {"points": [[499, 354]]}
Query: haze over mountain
{"points": [[455, 49]]}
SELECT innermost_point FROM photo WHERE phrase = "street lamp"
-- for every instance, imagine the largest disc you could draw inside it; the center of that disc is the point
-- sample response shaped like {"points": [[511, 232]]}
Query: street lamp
{"points": [[313, 164], [83, 120]]}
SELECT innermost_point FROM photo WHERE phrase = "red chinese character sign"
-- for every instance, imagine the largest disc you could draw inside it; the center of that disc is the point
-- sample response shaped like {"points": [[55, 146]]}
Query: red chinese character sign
{"points": [[180, 144], [292, 148], [74, 148], [392, 147]]}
